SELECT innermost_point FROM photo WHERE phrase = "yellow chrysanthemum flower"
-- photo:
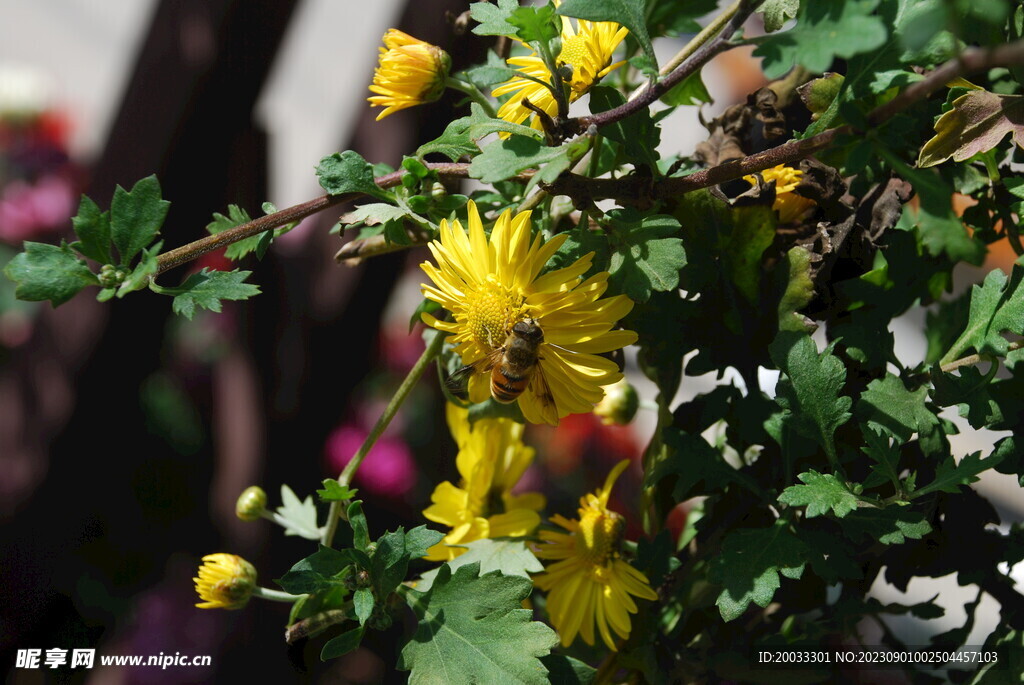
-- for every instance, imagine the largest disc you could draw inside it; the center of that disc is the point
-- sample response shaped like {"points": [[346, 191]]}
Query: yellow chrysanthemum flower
{"points": [[591, 583], [410, 73], [788, 204], [491, 460], [586, 51], [225, 581], [491, 284]]}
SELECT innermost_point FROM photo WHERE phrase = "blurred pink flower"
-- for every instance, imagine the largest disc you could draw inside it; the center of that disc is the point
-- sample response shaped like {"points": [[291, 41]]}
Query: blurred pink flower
{"points": [[26, 210], [388, 470]]}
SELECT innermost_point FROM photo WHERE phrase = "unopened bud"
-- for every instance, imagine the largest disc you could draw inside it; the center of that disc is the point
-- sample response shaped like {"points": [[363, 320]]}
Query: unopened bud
{"points": [[619, 405], [251, 503]]}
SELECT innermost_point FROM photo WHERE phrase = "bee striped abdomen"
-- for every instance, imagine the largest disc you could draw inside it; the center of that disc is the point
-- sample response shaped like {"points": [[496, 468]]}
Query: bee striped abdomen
{"points": [[506, 385]]}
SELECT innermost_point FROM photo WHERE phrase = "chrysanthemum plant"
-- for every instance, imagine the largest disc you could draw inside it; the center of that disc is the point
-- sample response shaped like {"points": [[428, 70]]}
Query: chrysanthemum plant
{"points": [[814, 214]]}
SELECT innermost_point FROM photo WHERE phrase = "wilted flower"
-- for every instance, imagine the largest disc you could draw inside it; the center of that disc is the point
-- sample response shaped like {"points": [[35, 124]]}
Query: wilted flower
{"points": [[225, 581], [410, 73]]}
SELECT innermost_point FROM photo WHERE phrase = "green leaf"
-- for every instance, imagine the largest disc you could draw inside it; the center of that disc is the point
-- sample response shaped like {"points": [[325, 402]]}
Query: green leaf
{"points": [[951, 475], [889, 526], [144, 271], [48, 272], [799, 291], [335, 492], [362, 604], [629, 13], [750, 563], [977, 122], [342, 644], [824, 31], [493, 19], [997, 306], [778, 12], [638, 135], [348, 172], [697, 468], [812, 393], [647, 254], [390, 561], [885, 455], [473, 629], [297, 516], [690, 91], [511, 557], [357, 521], [207, 288], [564, 670], [136, 217], [821, 493], [93, 230], [319, 571], [504, 159], [742, 247], [887, 405], [255, 243], [534, 24], [942, 231]]}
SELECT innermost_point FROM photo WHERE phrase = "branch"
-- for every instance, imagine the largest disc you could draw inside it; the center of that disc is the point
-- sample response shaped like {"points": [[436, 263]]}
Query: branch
{"points": [[187, 253], [629, 189], [690, 65]]}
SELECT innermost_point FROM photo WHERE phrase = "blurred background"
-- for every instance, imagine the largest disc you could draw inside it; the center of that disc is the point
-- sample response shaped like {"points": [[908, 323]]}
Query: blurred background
{"points": [[126, 434]]}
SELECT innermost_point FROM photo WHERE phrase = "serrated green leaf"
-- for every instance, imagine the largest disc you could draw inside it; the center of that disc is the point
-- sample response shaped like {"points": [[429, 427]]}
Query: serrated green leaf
{"points": [[144, 272], [638, 135], [390, 560], [348, 172], [534, 24], [799, 291], [629, 13], [237, 216], [820, 493], [207, 288], [493, 19], [997, 306], [952, 475], [319, 571], [750, 563], [474, 626], [93, 230], [886, 404], [297, 516], [697, 467], [342, 644], [942, 231], [564, 670], [504, 159], [778, 12], [136, 217], [751, 231], [824, 31], [335, 492], [357, 521], [812, 393], [48, 272], [647, 254], [885, 455], [511, 557], [362, 604], [890, 526], [689, 91]]}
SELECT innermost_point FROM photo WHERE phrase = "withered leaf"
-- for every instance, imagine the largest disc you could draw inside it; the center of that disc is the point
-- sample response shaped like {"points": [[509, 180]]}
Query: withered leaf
{"points": [[978, 121]]}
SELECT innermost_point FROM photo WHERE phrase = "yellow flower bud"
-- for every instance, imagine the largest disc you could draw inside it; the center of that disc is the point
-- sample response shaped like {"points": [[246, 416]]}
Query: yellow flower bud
{"points": [[619, 405], [410, 73], [225, 581], [251, 503]]}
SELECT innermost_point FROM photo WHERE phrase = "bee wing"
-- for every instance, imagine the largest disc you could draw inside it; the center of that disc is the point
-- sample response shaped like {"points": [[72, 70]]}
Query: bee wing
{"points": [[546, 400], [458, 382]]}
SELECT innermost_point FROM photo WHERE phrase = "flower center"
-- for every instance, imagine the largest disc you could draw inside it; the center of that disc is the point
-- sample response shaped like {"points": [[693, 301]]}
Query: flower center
{"points": [[493, 310], [598, 536]]}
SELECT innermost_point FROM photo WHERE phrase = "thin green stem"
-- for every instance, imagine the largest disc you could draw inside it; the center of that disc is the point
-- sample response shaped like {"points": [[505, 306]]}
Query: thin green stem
{"points": [[433, 349], [275, 595], [474, 94]]}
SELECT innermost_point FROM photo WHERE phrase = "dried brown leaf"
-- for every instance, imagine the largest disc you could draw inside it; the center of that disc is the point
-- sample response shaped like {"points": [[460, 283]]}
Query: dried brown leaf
{"points": [[978, 121]]}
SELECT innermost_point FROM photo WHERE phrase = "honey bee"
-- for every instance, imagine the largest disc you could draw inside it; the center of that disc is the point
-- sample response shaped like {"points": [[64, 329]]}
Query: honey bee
{"points": [[512, 367]]}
